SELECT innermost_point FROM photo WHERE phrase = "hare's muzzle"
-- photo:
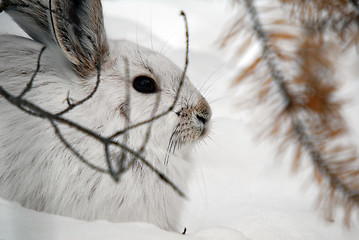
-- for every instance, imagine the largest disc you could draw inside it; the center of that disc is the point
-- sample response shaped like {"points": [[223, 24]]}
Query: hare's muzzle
{"points": [[193, 122]]}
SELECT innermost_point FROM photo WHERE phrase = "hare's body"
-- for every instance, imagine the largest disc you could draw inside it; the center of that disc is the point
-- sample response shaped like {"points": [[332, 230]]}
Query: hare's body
{"points": [[40, 172]]}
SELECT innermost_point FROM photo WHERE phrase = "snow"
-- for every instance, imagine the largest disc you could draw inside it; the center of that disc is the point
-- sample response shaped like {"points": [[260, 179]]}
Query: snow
{"points": [[20, 223], [241, 189]]}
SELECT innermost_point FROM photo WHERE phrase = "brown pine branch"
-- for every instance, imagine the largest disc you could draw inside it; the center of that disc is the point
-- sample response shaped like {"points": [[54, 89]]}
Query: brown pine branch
{"points": [[309, 115], [340, 17]]}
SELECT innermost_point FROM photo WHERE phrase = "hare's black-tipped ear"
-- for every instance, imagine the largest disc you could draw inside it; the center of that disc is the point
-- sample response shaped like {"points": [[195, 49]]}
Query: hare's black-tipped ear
{"points": [[78, 29], [75, 25], [31, 17]]}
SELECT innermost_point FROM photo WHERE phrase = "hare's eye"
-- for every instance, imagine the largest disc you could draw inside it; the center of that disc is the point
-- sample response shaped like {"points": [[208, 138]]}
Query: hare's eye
{"points": [[144, 84]]}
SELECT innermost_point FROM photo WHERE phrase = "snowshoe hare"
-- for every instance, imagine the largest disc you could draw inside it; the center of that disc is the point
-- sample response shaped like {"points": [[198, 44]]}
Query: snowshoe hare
{"points": [[40, 171]]}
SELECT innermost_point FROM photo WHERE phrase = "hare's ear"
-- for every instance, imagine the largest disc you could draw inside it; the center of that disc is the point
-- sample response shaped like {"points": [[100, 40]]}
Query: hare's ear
{"points": [[31, 17], [75, 25], [78, 29]]}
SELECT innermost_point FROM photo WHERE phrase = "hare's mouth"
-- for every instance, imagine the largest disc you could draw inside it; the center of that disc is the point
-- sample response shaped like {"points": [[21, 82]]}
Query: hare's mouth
{"points": [[184, 134], [193, 124]]}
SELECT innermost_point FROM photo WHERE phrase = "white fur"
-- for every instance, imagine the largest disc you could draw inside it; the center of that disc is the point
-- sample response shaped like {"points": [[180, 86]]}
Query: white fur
{"points": [[38, 171]]}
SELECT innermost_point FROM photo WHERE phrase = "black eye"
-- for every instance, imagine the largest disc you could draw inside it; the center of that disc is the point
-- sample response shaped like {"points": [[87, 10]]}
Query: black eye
{"points": [[144, 84]]}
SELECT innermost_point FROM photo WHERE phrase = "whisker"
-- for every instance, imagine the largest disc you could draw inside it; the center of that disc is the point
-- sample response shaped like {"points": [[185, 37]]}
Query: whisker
{"points": [[174, 147], [166, 158], [166, 46], [219, 99], [168, 151], [211, 77], [169, 147], [151, 25]]}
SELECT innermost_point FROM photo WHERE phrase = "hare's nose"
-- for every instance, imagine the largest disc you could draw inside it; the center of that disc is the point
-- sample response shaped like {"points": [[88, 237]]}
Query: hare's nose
{"points": [[201, 119], [203, 111]]}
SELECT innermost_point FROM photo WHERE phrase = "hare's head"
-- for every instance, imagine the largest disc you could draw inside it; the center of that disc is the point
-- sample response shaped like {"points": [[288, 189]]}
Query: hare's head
{"points": [[154, 86], [140, 85]]}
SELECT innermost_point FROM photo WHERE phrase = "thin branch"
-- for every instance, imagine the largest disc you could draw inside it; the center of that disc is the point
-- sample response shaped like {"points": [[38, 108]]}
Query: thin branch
{"points": [[37, 111], [126, 109], [29, 85], [177, 93], [78, 103], [148, 131], [161, 175], [113, 173], [94, 90], [74, 151]]}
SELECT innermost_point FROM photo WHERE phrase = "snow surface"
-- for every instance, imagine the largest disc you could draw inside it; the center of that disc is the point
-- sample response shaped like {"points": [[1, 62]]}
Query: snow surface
{"points": [[241, 189]]}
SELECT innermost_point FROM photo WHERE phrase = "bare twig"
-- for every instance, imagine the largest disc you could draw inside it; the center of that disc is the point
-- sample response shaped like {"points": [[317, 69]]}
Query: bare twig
{"points": [[112, 171], [126, 109], [177, 93], [29, 85], [94, 90], [74, 151]]}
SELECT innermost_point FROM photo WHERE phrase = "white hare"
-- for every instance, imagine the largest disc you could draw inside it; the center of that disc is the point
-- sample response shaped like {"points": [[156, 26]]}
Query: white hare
{"points": [[39, 171]]}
